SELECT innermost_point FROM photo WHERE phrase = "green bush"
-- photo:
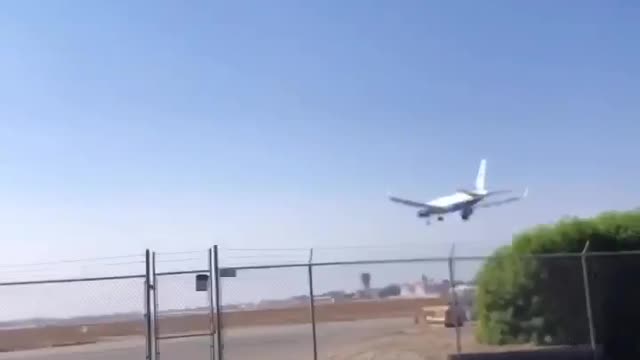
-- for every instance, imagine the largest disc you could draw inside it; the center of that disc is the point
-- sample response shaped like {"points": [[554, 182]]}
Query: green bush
{"points": [[541, 299]]}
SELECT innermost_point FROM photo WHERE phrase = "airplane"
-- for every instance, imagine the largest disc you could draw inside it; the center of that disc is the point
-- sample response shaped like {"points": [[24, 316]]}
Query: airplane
{"points": [[465, 201]]}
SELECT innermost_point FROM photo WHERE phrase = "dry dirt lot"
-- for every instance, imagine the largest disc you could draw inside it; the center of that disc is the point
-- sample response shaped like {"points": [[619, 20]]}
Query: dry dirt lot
{"points": [[424, 342], [348, 331], [381, 330], [379, 339], [57, 336]]}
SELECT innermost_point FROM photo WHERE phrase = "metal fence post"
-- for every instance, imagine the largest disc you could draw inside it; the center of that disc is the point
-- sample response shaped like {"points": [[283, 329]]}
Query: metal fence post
{"points": [[155, 306], [454, 295], [312, 303], [216, 270], [147, 305], [587, 295], [212, 328]]}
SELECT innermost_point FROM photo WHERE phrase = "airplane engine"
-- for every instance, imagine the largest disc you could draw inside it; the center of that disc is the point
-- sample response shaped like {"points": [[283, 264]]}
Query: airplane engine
{"points": [[466, 213], [423, 213]]}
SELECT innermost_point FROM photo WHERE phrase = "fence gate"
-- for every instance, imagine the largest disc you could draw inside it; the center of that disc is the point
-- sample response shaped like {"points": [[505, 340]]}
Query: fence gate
{"points": [[183, 308]]}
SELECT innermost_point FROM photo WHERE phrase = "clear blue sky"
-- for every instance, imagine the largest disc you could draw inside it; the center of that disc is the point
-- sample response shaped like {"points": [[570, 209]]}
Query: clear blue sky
{"points": [[175, 125]]}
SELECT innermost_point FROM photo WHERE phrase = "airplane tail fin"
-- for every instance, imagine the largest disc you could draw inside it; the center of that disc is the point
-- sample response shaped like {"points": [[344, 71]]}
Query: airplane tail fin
{"points": [[480, 179]]}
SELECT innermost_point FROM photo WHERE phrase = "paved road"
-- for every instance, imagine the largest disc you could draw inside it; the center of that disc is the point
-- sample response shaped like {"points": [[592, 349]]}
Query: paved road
{"points": [[292, 342]]}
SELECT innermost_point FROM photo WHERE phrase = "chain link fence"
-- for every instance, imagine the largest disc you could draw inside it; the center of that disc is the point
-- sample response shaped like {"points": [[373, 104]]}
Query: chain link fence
{"points": [[615, 315], [524, 311], [366, 306], [296, 304], [425, 306], [48, 309], [254, 322], [183, 305]]}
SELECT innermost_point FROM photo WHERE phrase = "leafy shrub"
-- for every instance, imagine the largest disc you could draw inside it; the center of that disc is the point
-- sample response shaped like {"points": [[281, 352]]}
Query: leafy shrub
{"points": [[528, 294]]}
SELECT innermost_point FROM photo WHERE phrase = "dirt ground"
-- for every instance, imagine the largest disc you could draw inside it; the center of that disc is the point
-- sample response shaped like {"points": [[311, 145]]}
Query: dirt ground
{"points": [[55, 336], [423, 342]]}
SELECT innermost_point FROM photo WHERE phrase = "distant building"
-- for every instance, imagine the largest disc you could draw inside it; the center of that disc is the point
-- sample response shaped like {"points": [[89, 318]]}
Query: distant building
{"points": [[323, 300], [466, 294], [413, 290], [419, 290]]}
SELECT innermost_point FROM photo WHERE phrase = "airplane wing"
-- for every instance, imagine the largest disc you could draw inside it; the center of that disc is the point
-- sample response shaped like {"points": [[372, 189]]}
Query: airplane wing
{"points": [[503, 201], [412, 203], [490, 193], [408, 202], [498, 192]]}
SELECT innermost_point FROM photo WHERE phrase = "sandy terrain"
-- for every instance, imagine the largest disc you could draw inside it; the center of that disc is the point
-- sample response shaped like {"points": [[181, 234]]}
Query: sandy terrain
{"points": [[56, 336], [419, 342], [380, 339], [348, 331]]}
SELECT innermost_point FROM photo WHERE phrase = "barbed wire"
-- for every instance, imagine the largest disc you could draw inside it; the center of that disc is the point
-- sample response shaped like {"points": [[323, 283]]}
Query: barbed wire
{"points": [[72, 261], [186, 252], [270, 251], [341, 247], [229, 255]]}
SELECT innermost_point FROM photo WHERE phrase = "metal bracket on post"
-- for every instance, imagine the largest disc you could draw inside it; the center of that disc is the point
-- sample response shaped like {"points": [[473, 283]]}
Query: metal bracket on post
{"points": [[587, 295], [454, 295], [312, 304]]}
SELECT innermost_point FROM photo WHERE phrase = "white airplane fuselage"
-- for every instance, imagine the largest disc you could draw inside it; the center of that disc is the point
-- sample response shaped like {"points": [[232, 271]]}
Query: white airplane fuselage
{"points": [[449, 203]]}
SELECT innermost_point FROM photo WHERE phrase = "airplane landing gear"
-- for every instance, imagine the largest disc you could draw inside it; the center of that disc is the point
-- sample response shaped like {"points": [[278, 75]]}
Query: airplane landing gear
{"points": [[465, 214], [440, 218]]}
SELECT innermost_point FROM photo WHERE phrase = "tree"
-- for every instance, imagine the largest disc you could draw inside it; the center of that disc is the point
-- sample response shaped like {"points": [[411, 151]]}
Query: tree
{"points": [[365, 278], [390, 290], [541, 298]]}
